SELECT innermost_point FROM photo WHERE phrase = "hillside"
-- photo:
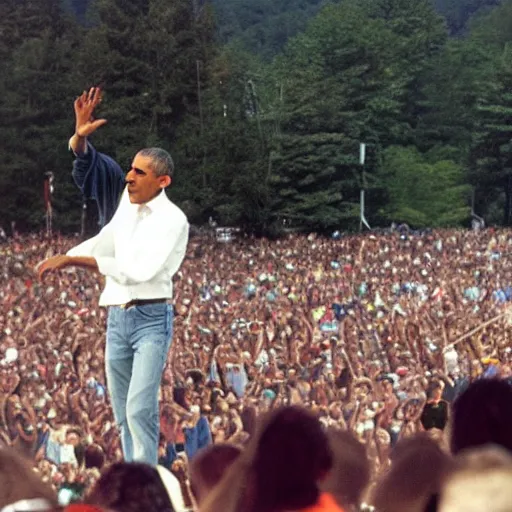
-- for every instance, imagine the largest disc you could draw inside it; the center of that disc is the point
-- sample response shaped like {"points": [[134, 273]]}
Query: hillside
{"points": [[263, 26]]}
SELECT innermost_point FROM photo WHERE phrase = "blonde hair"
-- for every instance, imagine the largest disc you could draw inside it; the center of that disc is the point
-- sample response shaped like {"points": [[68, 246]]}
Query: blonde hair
{"points": [[19, 481], [417, 471], [482, 481]]}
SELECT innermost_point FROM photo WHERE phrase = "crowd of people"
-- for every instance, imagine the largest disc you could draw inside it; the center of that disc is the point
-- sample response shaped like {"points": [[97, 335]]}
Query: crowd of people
{"points": [[374, 337]]}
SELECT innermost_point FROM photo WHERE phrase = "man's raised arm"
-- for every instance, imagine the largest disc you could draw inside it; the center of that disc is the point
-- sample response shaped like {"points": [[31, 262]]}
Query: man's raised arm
{"points": [[98, 176]]}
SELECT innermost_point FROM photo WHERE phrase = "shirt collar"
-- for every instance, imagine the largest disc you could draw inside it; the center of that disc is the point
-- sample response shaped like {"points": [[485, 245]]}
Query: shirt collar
{"points": [[154, 205], [157, 201]]}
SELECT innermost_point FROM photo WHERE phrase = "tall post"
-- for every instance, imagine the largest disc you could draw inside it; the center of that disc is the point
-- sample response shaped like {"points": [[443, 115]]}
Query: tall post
{"points": [[474, 217], [48, 191], [362, 158], [83, 219], [361, 210]]}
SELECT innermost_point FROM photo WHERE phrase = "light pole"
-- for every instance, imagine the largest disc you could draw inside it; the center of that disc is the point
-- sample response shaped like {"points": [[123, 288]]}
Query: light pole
{"points": [[362, 157], [48, 192]]}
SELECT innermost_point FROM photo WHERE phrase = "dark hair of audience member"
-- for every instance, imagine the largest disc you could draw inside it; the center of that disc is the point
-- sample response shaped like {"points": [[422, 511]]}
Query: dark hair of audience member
{"points": [[292, 456], [279, 469], [130, 487], [248, 418], [350, 472], [482, 415], [418, 469], [94, 457], [209, 466], [18, 481], [79, 451], [178, 395]]}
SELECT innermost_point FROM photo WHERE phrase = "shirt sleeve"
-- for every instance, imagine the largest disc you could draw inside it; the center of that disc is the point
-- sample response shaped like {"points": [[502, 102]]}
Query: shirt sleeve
{"points": [[166, 250], [100, 178], [99, 246]]}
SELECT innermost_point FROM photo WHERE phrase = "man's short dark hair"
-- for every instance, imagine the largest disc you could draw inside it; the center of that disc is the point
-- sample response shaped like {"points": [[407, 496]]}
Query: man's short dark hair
{"points": [[162, 163]]}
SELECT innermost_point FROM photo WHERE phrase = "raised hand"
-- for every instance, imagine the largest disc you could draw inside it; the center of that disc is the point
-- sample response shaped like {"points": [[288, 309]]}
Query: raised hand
{"points": [[84, 110]]}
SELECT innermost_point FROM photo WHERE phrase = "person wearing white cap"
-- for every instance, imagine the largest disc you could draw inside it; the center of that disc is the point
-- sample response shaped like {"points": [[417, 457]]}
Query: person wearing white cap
{"points": [[173, 488]]}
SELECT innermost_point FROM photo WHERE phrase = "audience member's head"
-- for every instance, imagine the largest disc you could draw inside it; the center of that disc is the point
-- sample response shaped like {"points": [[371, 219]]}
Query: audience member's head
{"points": [[209, 466], [416, 474], [483, 415], [173, 488], [280, 468], [248, 417], [130, 487], [292, 457], [350, 473], [94, 456], [19, 483], [482, 480]]}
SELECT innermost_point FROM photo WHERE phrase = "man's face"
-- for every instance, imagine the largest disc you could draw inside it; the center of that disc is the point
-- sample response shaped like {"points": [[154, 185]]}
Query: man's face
{"points": [[142, 183]]}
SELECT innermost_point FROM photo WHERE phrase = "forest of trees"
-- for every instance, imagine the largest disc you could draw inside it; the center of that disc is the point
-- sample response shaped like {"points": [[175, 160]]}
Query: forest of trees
{"points": [[264, 103]]}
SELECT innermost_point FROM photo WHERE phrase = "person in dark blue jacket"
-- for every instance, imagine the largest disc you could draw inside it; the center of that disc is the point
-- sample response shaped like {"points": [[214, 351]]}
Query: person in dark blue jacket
{"points": [[98, 176]]}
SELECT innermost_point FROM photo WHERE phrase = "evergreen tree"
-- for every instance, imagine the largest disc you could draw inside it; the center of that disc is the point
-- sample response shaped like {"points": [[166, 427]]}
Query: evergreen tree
{"points": [[145, 53], [421, 192], [344, 83], [225, 149], [35, 110], [491, 151]]}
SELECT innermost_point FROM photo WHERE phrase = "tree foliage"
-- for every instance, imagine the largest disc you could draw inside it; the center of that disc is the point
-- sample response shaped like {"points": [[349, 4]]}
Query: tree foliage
{"points": [[422, 193], [263, 105]]}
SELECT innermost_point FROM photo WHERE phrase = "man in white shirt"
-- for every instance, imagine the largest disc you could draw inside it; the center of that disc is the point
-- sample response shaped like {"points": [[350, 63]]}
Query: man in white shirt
{"points": [[138, 252]]}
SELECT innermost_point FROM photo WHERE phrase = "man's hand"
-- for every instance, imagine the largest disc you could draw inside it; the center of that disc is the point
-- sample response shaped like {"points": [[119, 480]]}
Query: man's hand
{"points": [[85, 124], [84, 109], [62, 261], [53, 263]]}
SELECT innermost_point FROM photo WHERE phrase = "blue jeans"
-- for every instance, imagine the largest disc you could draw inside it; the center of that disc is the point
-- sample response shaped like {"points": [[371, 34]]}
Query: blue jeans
{"points": [[138, 340]]}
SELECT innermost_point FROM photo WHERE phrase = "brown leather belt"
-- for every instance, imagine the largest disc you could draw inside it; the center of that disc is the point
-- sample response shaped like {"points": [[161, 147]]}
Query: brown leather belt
{"points": [[142, 302]]}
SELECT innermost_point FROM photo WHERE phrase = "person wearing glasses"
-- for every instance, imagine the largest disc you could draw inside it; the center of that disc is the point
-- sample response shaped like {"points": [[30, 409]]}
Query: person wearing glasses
{"points": [[138, 252]]}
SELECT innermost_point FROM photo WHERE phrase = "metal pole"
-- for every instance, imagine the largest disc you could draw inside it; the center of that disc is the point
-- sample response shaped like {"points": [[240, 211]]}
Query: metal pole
{"points": [[361, 210], [473, 214], [362, 158], [362, 155], [50, 220], [83, 219]]}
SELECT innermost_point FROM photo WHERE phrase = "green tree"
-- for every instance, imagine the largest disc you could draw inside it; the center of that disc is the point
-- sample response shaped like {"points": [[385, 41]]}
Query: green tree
{"points": [[34, 111], [263, 27], [490, 161], [421, 192], [491, 151], [455, 81], [350, 78], [458, 13], [419, 36], [145, 52], [224, 149]]}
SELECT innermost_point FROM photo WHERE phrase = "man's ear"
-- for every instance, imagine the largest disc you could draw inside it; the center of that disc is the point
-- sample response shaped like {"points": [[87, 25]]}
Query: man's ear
{"points": [[165, 181]]}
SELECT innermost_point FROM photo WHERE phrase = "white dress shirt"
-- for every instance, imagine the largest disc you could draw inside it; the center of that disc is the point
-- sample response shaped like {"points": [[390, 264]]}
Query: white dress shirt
{"points": [[139, 250]]}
